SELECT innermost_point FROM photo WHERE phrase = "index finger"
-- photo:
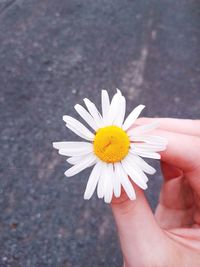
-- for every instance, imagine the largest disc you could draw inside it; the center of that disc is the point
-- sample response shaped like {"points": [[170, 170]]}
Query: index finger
{"points": [[183, 151], [184, 126]]}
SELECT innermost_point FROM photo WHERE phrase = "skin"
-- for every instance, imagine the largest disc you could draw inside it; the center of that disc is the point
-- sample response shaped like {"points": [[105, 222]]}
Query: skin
{"points": [[171, 236]]}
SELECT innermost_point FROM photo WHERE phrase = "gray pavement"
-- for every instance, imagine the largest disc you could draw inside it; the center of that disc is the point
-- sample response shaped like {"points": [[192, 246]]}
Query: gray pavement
{"points": [[52, 54]]}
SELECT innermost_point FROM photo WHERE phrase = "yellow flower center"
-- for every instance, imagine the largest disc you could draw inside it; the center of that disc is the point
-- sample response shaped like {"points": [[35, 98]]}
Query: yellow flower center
{"points": [[111, 144]]}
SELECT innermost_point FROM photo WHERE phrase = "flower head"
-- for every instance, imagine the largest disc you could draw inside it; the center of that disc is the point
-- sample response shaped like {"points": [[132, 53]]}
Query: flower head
{"points": [[113, 145]]}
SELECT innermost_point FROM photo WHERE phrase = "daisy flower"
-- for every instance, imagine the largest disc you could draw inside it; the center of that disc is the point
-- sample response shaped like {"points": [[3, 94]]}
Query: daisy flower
{"points": [[113, 145]]}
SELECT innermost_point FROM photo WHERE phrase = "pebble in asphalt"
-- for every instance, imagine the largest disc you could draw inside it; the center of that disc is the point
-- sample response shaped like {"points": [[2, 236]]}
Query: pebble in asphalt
{"points": [[52, 54]]}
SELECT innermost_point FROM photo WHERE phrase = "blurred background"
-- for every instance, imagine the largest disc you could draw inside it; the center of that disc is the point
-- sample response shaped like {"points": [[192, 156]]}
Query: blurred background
{"points": [[52, 55]]}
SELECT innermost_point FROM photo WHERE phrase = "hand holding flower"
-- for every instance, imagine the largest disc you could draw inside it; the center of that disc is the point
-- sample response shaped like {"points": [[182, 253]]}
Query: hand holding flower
{"points": [[171, 238]]}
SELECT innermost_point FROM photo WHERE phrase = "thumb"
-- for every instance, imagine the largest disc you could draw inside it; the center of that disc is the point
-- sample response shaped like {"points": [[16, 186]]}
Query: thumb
{"points": [[138, 231]]}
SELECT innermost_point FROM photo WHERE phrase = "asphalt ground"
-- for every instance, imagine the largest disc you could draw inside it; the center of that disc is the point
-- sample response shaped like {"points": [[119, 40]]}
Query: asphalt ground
{"points": [[52, 55]]}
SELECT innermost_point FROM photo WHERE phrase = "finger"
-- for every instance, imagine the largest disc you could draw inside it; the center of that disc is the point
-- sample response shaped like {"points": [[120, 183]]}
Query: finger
{"points": [[189, 237], [176, 199], [183, 151], [184, 126], [137, 228], [189, 233], [170, 172]]}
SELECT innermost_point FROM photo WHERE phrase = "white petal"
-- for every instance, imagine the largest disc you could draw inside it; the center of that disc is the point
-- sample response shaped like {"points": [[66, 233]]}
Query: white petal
{"points": [[78, 128], [148, 147], [143, 165], [118, 121], [93, 180], [74, 152], [82, 149], [119, 92], [85, 163], [116, 183], [143, 128], [123, 177], [94, 112], [63, 145], [77, 159], [132, 117], [101, 182], [141, 153], [135, 166], [133, 172], [74, 160], [108, 186], [86, 116], [105, 102], [151, 139], [79, 133], [113, 110]]}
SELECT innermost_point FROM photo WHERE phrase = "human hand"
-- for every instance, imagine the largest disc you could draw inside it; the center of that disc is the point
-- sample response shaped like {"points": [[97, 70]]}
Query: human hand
{"points": [[171, 237]]}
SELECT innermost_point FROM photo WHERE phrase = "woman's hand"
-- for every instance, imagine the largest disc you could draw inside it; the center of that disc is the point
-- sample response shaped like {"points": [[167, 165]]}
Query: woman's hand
{"points": [[171, 237]]}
